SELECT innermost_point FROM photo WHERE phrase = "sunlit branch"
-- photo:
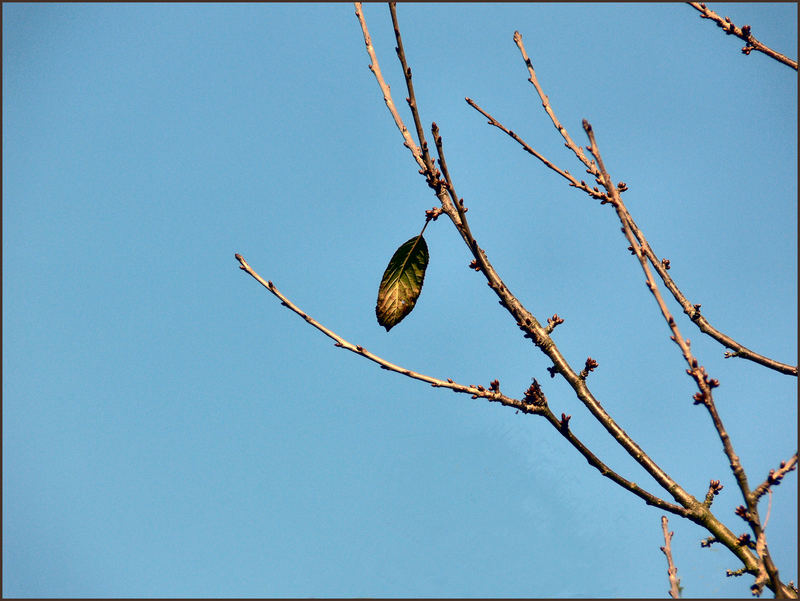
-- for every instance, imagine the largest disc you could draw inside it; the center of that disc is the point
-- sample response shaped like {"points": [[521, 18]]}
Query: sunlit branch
{"points": [[534, 402], [766, 569], [540, 336], [751, 43], [387, 96], [573, 181], [690, 309], [672, 571], [475, 391], [775, 476]]}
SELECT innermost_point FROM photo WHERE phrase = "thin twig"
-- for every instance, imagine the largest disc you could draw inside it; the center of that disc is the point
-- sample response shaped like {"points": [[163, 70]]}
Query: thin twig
{"points": [[590, 165], [743, 33], [408, 141], [458, 202], [420, 154], [573, 181], [695, 370], [767, 571], [475, 391], [412, 99], [775, 476], [539, 335], [693, 310], [561, 426], [535, 405], [672, 571], [690, 309]]}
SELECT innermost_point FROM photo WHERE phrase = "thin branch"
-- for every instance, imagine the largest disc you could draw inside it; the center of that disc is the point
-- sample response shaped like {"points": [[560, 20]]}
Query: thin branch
{"points": [[767, 572], [573, 181], [421, 156], [562, 427], [672, 571], [408, 141], [690, 309], [696, 371], [539, 335], [541, 338], [774, 478], [590, 165], [412, 99], [458, 202], [751, 43], [693, 310], [535, 403], [475, 391]]}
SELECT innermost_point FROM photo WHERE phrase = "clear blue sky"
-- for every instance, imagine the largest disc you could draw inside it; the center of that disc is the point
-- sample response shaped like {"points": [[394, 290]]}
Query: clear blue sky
{"points": [[170, 430]]}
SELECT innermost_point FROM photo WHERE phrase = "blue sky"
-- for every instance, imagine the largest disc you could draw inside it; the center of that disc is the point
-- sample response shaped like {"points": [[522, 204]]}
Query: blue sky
{"points": [[170, 430]]}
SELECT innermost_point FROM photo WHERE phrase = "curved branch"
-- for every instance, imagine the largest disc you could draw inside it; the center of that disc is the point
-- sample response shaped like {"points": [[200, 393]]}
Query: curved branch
{"points": [[696, 512], [475, 391], [536, 403]]}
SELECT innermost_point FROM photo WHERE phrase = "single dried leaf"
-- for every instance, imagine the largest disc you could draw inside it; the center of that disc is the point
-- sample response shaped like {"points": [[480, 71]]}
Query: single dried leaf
{"points": [[402, 282]]}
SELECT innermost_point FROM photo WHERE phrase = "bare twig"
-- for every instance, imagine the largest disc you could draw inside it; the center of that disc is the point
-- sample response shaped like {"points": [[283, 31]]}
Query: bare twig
{"points": [[672, 571], [695, 511], [534, 402], [573, 181], [689, 308], [695, 370], [451, 190], [743, 33], [775, 476], [420, 153], [562, 427], [408, 141], [590, 165], [767, 572], [541, 338], [475, 391], [412, 99]]}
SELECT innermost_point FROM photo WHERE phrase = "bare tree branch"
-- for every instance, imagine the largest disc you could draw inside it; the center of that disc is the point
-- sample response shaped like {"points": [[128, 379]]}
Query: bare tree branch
{"points": [[540, 336], [661, 266], [420, 153], [534, 402], [672, 571], [775, 476], [743, 33], [696, 511], [475, 391], [412, 99], [573, 181], [590, 165], [767, 571], [387, 96]]}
